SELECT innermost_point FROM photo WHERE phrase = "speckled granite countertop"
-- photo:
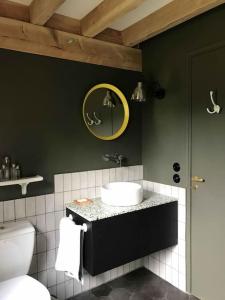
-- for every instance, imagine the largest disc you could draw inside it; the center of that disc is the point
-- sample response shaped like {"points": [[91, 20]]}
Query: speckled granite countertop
{"points": [[98, 210]]}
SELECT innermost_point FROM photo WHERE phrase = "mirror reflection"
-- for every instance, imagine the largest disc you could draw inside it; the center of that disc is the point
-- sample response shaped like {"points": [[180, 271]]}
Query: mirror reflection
{"points": [[105, 111]]}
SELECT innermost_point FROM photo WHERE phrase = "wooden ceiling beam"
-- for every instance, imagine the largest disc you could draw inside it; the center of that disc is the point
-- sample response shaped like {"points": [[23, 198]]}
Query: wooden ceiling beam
{"points": [[72, 25], [42, 10], [104, 14], [64, 23], [30, 38], [14, 10], [10, 9], [110, 35], [168, 16]]}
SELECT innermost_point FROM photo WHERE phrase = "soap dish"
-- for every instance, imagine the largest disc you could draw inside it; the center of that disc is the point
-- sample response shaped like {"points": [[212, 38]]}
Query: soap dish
{"points": [[82, 202]]}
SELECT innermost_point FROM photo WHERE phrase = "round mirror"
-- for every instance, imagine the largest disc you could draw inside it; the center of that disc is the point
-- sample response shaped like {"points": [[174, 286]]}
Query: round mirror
{"points": [[105, 111]]}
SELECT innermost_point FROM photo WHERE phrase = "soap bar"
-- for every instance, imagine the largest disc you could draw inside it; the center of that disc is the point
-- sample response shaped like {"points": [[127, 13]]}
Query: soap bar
{"points": [[83, 201]]}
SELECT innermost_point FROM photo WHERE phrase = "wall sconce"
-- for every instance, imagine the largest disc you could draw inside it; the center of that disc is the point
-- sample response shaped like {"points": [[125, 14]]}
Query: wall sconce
{"points": [[108, 100], [155, 91], [139, 94]]}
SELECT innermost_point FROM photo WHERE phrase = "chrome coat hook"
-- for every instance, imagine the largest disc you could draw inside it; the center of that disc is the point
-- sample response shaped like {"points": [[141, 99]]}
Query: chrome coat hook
{"points": [[98, 121], [216, 107], [90, 121]]}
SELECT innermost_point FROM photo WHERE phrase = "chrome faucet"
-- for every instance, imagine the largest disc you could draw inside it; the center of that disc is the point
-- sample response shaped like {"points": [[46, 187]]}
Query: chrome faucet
{"points": [[116, 158]]}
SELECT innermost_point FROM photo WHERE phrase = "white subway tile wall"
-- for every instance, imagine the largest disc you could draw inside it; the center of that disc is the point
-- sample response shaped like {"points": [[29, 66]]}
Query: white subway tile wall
{"points": [[170, 264], [45, 212]]}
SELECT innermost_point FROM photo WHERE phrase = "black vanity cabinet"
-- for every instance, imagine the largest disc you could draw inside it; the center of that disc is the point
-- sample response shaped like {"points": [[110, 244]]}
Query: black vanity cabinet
{"points": [[114, 241]]}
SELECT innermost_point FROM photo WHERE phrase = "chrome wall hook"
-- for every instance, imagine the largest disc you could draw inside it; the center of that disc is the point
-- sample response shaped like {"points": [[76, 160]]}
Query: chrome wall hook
{"points": [[216, 107], [98, 121], [90, 122]]}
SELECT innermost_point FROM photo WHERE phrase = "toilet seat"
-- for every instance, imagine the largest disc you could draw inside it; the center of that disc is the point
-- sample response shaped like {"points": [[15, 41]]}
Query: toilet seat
{"points": [[23, 288]]}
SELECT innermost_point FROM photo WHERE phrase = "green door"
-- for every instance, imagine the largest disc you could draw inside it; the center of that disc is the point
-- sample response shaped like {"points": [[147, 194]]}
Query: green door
{"points": [[208, 163]]}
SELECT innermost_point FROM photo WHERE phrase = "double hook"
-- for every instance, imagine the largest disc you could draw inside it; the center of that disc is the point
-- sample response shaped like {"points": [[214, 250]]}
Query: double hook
{"points": [[216, 107], [91, 122]]}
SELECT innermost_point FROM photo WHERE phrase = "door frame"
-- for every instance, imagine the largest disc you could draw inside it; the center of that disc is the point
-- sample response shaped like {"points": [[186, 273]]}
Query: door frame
{"points": [[189, 56]]}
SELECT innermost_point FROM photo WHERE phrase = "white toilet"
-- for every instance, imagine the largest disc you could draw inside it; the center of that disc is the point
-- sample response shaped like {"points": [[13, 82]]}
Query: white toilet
{"points": [[16, 250]]}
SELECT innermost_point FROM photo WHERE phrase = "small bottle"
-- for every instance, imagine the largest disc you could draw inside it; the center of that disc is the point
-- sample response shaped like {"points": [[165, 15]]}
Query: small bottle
{"points": [[6, 161], [18, 172], [1, 175], [6, 175], [13, 172], [7, 168]]}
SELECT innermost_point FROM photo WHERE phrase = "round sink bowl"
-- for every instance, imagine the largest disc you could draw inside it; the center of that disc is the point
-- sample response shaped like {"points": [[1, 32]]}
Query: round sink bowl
{"points": [[122, 193]]}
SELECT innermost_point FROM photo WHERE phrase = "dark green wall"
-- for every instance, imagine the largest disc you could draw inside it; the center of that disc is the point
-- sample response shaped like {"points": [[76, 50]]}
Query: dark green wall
{"points": [[41, 123], [165, 122]]}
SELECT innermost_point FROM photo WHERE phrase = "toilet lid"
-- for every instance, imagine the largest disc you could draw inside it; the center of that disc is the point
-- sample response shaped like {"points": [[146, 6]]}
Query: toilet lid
{"points": [[23, 288]]}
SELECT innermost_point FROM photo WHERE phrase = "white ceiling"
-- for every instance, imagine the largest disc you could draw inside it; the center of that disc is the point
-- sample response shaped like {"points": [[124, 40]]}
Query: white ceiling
{"points": [[79, 8], [143, 10], [26, 2]]}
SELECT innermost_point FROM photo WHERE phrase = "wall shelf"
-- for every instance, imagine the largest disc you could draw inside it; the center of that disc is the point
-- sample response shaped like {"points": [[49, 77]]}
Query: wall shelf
{"points": [[23, 182]]}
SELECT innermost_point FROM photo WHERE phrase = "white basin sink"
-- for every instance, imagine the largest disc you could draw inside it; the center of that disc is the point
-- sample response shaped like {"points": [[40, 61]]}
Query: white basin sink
{"points": [[122, 193]]}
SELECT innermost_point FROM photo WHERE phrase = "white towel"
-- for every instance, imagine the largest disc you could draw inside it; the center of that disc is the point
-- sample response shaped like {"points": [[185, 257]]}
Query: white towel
{"points": [[69, 254]]}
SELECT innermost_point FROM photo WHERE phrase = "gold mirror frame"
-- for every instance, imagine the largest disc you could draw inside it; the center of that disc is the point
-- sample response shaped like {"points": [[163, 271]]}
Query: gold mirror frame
{"points": [[125, 107]]}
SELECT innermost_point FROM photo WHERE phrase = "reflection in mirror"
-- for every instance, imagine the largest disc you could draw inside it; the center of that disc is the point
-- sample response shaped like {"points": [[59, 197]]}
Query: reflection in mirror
{"points": [[105, 111]]}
